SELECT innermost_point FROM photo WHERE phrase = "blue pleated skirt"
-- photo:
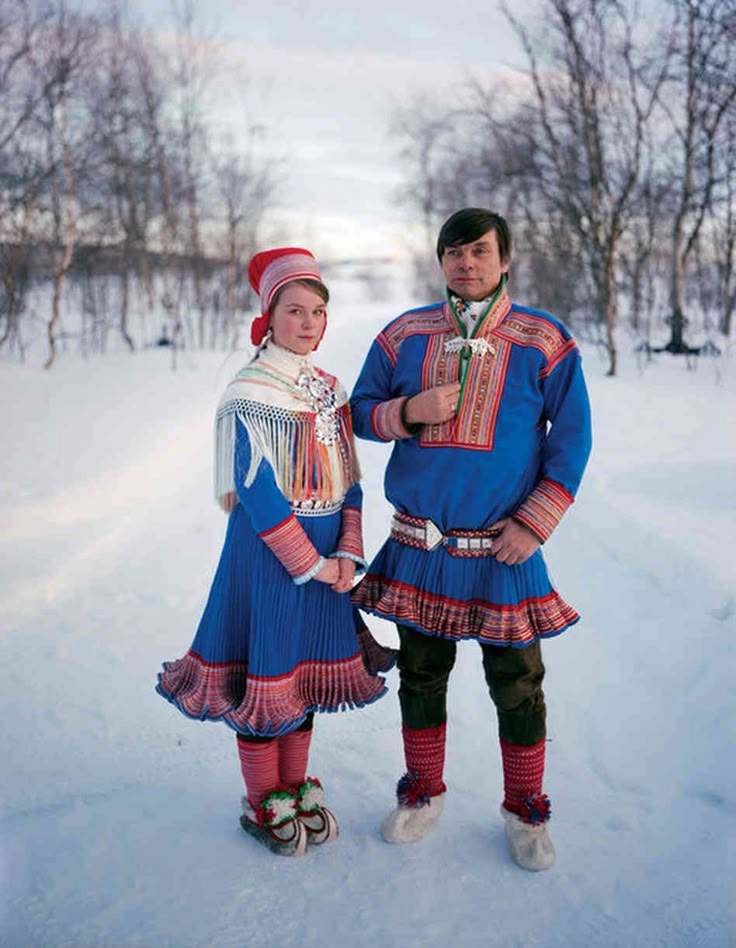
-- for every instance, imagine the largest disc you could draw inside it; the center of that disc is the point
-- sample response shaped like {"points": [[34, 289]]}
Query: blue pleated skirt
{"points": [[268, 652], [459, 597]]}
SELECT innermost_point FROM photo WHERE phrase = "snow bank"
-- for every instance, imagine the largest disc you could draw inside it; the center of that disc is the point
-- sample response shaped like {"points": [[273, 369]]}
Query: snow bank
{"points": [[118, 820]]}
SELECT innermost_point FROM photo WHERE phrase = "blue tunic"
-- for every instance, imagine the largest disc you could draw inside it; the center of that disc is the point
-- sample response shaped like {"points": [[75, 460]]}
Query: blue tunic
{"points": [[517, 446]]}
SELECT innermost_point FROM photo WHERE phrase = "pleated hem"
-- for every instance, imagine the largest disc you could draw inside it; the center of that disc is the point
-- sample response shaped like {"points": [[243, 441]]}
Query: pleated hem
{"points": [[517, 624], [266, 706]]}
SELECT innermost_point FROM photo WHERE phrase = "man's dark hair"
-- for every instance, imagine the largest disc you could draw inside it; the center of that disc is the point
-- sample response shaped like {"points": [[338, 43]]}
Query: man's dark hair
{"points": [[469, 224]]}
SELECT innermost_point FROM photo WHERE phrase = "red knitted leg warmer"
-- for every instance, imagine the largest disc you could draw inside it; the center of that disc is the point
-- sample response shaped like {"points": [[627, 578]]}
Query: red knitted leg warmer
{"points": [[523, 774], [293, 756], [259, 762], [424, 753]]}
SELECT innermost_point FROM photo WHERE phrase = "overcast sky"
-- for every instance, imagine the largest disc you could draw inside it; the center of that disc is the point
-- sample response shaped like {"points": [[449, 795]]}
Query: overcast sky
{"points": [[324, 78]]}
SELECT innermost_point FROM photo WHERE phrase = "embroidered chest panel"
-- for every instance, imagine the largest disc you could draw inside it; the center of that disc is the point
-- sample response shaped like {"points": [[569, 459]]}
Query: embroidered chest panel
{"points": [[421, 322], [475, 423]]}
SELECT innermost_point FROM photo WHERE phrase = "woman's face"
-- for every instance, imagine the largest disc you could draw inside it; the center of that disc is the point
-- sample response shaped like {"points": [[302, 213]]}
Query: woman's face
{"points": [[298, 318]]}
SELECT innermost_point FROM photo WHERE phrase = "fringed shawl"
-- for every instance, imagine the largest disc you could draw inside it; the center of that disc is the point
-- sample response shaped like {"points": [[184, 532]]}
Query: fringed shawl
{"points": [[310, 450]]}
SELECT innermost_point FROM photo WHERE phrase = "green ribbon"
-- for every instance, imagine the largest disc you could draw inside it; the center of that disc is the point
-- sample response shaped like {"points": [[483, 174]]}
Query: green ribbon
{"points": [[467, 352]]}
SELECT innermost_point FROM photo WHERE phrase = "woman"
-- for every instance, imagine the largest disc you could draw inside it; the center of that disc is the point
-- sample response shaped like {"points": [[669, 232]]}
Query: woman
{"points": [[279, 639]]}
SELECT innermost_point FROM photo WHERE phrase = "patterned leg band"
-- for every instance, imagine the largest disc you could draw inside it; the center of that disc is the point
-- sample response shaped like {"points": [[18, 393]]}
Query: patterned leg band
{"points": [[523, 774]]}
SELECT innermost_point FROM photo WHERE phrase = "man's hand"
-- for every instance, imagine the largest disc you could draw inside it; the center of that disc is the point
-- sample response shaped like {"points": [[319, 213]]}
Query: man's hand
{"points": [[330, 573], [433, 406], [515, 543], [346, 567]]}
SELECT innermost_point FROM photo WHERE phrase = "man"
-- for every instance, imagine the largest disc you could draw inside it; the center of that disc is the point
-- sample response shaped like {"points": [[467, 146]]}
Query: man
{"points": [[486, 404]]}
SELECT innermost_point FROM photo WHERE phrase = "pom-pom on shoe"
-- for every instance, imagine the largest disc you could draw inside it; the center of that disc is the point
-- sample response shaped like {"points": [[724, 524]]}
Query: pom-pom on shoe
{"points": [[529, 841], [274, 823], [415, 814], [318, 821]]}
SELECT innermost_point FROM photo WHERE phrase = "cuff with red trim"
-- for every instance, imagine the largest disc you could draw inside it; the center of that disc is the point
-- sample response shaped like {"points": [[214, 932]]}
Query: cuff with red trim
{"points": [[293, 549], [387, 419], [350, 544], [544, 508]]}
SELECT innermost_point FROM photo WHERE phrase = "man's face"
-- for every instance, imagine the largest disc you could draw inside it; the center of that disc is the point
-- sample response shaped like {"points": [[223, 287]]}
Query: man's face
{"points": [[473, 271]]}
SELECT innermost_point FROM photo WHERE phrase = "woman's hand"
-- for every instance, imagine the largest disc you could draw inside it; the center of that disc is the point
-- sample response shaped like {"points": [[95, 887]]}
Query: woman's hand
{"points": [[346, 567], [330, 573], [433, 406]]}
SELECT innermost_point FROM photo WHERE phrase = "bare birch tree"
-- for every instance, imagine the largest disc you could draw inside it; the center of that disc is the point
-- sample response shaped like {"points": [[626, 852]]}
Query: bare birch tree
{"points": [[588, 118], [60, 58], [191, 76], [244, 189], [107, 173], [724, 229], [700, 96], [20, 172]]}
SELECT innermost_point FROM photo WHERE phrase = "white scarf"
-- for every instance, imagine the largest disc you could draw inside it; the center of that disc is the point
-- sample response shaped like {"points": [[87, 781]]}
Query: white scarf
{"points": [[297, 418]]}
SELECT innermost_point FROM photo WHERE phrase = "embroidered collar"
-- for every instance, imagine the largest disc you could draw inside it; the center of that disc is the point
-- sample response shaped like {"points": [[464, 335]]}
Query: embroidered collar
{"points": [[481, 317]]}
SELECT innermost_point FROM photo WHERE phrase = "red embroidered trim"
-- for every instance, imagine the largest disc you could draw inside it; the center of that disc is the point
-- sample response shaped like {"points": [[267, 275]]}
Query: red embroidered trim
{"points": [[386, 420], [351, 536], [517, 624], [263, 705], [475, 424], [558, 357], [526, 329], [544, 508], [412, 323], [290, 545]]}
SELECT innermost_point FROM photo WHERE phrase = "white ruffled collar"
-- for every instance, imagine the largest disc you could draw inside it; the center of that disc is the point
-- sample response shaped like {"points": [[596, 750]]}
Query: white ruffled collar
{"points": [[287, 363]]}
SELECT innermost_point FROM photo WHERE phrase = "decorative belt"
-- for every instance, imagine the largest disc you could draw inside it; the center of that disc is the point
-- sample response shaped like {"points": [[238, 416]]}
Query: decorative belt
{"points": [[426, 535], [315, 508]]}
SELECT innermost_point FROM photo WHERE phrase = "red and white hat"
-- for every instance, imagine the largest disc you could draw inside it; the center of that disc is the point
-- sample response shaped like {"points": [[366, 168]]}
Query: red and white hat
{"points": [[268, 271]]}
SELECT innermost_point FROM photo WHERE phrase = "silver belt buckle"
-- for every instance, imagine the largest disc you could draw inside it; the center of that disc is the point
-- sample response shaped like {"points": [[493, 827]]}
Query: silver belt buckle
{"points": [[433, 536]]}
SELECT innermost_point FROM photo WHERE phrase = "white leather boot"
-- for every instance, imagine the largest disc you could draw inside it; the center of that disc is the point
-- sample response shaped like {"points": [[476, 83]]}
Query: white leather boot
{"points": [[408, 824], [530, 845]]}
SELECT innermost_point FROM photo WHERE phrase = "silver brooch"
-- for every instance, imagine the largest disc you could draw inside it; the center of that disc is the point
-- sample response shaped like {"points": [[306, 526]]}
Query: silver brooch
{"points": [[476, 346], [321, 399]]}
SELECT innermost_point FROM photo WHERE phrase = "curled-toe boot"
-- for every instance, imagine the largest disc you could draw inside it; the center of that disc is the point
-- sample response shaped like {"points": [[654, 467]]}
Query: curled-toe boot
{"points": [[274, 823], [319, 822]]}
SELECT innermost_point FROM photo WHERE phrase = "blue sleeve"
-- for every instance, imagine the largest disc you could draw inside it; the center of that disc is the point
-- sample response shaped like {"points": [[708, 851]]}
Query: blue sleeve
{"points": [[372, 388], [568, 443], [271, 515], [354, 496], [378, 411], [264, 503]]}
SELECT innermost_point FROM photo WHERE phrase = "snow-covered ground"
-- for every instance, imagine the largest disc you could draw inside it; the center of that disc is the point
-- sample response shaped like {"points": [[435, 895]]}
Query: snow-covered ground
{"points": [[119, 817]]}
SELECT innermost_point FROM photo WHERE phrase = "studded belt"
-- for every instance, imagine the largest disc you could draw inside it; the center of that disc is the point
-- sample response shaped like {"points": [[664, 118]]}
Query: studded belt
{"points": [[315, 508], [424, 534]]}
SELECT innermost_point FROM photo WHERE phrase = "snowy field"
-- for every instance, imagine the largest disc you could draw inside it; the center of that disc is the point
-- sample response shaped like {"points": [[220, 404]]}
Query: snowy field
{"points": [[119, 817]]}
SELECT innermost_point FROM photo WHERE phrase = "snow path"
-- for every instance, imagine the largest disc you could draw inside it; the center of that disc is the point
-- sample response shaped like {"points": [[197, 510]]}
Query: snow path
{"points": [[118, 817]]}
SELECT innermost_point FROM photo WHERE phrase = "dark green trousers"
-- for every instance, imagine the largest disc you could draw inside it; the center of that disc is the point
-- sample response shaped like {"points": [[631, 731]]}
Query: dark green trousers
{"points": [[514, 677]]}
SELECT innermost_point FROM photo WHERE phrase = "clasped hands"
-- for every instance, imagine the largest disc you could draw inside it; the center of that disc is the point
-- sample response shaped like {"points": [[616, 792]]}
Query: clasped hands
{"points": [[338, 573]]}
